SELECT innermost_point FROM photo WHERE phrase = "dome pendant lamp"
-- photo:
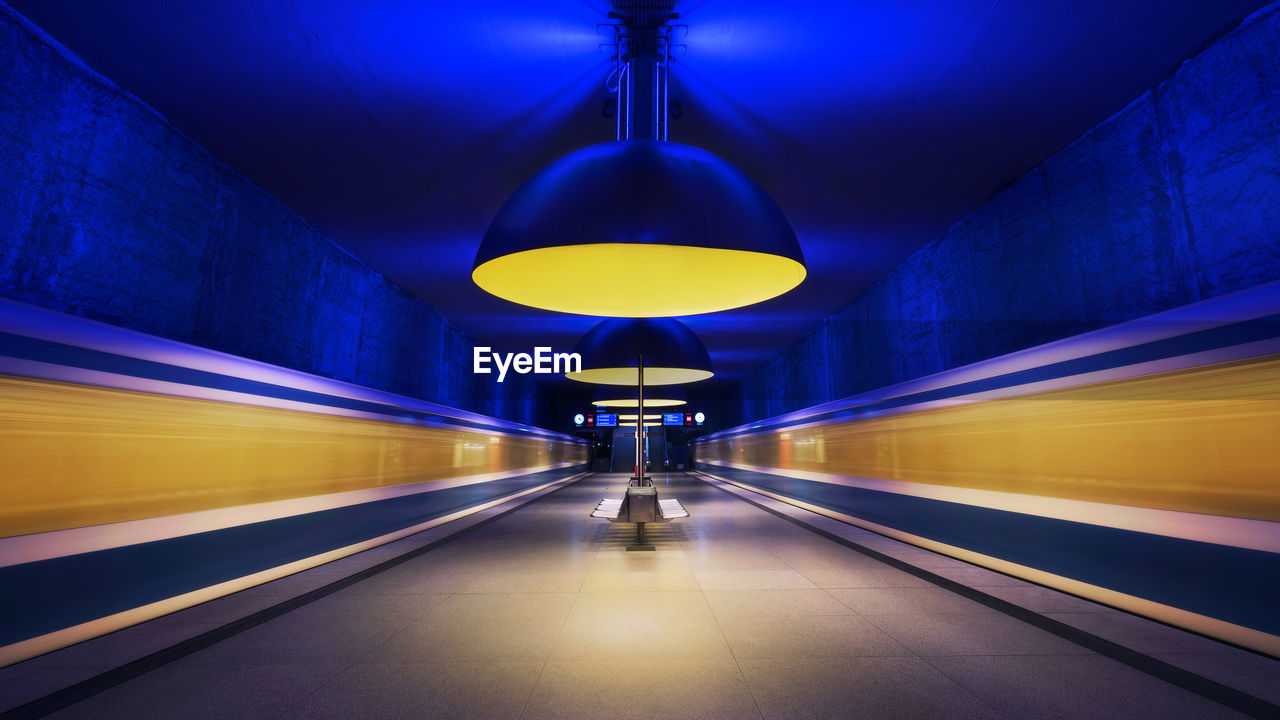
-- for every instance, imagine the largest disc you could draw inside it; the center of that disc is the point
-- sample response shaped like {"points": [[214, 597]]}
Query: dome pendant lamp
{"points": [[611, 353], [698, 232], [626, 351]]}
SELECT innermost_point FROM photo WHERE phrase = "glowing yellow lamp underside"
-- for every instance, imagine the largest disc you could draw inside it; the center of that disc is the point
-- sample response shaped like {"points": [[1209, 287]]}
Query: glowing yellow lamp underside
{"points": [[677, 279], [633, 418], [629, 376], [631, 424], [655, 403]]}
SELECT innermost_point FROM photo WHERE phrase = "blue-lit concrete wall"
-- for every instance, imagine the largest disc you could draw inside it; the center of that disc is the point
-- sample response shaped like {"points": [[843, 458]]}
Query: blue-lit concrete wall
{"points": [[110, 213], [1174, 199]]}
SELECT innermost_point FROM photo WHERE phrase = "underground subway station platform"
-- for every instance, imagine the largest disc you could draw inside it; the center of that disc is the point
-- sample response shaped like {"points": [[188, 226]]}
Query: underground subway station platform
{"points": [[640, 359]]}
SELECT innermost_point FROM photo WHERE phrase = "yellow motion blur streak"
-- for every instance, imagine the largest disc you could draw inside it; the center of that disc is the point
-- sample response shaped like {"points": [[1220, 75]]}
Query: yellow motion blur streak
{"points": [[75, 455], [1204, 440]]}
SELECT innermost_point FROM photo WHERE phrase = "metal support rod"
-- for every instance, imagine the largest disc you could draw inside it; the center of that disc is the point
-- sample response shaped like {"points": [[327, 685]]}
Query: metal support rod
{"points": [[618, 110], [658, 70], [664, 107], [640, 422], [642, 50]]}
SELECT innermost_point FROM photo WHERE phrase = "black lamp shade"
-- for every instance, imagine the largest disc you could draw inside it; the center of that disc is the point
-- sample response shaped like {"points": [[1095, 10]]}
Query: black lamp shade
{"points": [[611, 352], [698, 232]]}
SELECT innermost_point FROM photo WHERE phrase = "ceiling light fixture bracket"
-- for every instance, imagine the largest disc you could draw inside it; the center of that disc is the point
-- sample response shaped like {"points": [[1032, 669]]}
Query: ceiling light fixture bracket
{"points": [[642, 44]]}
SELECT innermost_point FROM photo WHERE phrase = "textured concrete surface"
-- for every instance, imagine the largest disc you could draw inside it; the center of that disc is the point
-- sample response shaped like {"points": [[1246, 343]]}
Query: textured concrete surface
{"points": [[110, 213], [1174, 199], [736, 614]]}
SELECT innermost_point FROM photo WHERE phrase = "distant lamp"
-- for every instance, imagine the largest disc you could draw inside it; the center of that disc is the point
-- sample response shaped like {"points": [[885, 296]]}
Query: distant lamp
{"points": [[698, 232], [627, 397], [611, 353]]}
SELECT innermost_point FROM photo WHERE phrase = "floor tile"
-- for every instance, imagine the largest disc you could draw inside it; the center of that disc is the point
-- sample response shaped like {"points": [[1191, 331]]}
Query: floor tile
{"points": [[1254, 674], [978, 577], [478, 627], [624, 690], [840, 576], [685, 603], [841, 688], [20, 685], [1140, 634], [640, 581], [807, 636], [908, 600], [752, 580], [634, 633], [972, 634], [301, 639], [757, 603], [1044, 600], [192, 692], [723, 559], [419, 578], [460, 691], [512, 582], [1074, 686]]}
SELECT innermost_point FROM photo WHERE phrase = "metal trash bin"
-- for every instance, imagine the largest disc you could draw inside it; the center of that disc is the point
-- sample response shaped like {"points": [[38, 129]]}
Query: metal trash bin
{"points": [[642, 504]]}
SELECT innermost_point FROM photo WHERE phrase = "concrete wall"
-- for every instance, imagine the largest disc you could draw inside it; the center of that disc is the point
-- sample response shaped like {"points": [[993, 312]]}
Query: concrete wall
{"points": [[110, 213], [1174, 199]]}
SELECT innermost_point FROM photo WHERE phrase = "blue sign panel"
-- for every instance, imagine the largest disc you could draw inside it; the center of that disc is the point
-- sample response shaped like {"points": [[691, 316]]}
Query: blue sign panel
{"points": [[606, 420], [673, 418]]}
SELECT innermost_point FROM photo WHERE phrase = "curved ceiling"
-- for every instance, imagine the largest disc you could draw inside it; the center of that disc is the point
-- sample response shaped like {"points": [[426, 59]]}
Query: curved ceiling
{"points": [[398, 128]]}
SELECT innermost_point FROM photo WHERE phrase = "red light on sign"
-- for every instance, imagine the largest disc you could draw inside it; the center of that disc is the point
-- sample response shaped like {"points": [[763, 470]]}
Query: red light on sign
{"points": [[688, 418]]}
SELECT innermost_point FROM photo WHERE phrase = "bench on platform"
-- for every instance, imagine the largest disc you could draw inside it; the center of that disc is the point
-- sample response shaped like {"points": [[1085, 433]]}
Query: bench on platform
{"points": [[640, 505]]}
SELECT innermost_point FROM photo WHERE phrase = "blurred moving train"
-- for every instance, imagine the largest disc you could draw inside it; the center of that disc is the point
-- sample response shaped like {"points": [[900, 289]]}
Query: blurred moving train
{"points": [[143, 475], [1137, 466]]}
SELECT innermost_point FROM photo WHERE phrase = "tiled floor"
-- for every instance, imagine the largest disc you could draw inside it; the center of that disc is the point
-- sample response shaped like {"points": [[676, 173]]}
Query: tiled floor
{"points": [[737, 614]]}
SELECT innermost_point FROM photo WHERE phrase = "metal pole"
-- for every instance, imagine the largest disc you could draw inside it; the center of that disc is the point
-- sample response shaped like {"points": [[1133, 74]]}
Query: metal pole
{"points": [[629, 120], [640, 422], [619, 68], [658, 87], [664, 107]]}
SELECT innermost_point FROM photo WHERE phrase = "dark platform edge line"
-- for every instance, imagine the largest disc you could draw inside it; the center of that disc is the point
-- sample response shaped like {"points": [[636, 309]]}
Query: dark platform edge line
{"points": [[1210, 689], [60, 699]]}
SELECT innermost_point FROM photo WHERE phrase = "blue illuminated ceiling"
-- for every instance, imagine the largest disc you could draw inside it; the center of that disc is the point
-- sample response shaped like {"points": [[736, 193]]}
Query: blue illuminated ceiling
{"points": [[398, 128]]}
